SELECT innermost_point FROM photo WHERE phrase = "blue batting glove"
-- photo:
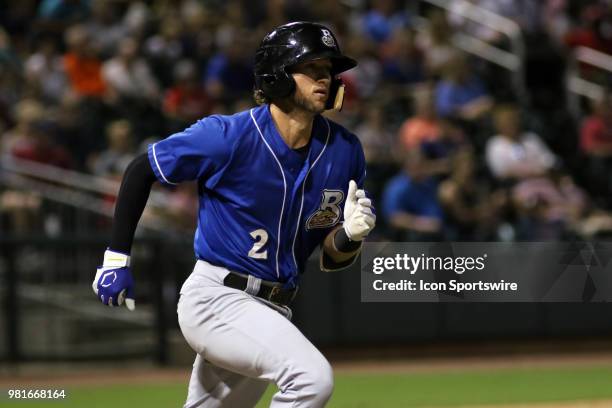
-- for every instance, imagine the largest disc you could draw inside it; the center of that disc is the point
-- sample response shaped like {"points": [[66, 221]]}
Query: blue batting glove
{"points": [[113, 283]]}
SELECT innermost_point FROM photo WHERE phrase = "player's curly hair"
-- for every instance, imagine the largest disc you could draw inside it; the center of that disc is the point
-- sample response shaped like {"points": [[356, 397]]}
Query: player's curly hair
{"points": [[260, 97]]}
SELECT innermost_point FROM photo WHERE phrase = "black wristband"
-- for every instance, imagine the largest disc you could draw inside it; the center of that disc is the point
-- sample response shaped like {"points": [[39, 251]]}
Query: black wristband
{"points": [[343, 243]]}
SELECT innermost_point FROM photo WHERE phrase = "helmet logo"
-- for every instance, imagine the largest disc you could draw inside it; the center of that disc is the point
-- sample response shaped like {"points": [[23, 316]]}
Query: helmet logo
{"points": [[327, 38]]}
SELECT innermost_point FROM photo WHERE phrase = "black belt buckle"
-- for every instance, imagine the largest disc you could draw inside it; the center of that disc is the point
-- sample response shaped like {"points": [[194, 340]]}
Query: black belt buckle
{"points": [[280, 296], [274, 291]]}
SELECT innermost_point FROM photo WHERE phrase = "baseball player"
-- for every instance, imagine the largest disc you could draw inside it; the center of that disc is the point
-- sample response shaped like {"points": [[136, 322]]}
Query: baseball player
{"points": [[274, 182]]}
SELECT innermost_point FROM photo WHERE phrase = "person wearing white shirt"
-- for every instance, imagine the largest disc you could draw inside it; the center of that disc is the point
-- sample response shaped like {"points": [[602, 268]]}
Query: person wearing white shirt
{"points": [[515, 154]]}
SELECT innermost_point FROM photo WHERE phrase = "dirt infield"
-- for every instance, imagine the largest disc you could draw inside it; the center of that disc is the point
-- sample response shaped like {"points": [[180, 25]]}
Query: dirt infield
{"points": [[476, 363]]}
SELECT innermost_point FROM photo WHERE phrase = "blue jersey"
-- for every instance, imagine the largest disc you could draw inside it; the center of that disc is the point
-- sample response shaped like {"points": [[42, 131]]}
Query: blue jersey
{"points": [[263, 207]]}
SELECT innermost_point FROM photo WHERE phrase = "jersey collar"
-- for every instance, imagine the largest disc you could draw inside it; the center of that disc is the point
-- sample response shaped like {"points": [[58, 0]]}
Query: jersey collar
{"points": [[318, 139]]}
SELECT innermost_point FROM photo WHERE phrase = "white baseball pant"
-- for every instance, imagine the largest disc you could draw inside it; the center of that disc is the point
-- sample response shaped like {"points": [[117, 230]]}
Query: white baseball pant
{"points": [[242, 344]]}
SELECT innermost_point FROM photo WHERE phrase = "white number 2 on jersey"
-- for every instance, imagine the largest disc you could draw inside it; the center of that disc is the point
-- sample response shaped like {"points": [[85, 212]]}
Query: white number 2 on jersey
{"points": [[261, 237]]}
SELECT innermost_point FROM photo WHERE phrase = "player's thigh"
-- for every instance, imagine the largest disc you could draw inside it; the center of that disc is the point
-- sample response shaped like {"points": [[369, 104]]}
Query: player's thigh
{"points": [[238, 333]]}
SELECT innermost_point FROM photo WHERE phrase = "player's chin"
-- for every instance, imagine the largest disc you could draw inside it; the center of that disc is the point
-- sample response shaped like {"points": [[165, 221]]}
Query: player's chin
{"points": [[318, 105]]}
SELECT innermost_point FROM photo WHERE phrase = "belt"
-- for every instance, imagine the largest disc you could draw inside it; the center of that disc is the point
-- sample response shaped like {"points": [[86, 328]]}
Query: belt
{"points": [[271, 291]]}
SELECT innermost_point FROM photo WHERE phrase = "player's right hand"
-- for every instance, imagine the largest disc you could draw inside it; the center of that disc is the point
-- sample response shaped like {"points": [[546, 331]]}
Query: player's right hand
{"points": [[359, 217], [113, 283]]}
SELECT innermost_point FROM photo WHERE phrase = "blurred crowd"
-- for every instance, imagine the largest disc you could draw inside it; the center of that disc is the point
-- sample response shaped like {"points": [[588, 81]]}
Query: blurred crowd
{"points": [[456, 148]]}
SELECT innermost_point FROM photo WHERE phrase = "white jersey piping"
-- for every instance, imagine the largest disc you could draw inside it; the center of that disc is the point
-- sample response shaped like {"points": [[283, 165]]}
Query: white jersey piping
{"points": [[159, 168], [303, 185]]}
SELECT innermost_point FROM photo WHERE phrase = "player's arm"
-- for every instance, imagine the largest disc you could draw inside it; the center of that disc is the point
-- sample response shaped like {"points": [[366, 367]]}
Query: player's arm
{"points": [[338, 250], [342, 245], [113, 282], [131, 201]]}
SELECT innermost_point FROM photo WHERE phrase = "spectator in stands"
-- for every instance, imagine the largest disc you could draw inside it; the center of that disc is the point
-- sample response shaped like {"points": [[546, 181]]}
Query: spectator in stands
{"points": [[27, 112], [187, 100], [22, 209], [376, 138], [471, 211], [44, 72], [460, 93], [410, 202], [549, 206], [556, 20], [197, 41], [164, 48], [105, 28], [378, 144], [596, 145], [424, 125], [113, 161], [527, 14], [82, 65], [367, 76], [437, 43], [382, 20], [82, 132], [37, 144], [440, 152], [129, 77], [596, 130], [402, 60], [134, 90], [137, 18], [229, 74], [515, 154], [594, 30]]}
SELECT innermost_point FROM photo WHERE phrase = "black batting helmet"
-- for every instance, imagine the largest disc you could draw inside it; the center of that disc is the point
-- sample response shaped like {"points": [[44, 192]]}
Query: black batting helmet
{"points": [[291, 44]]}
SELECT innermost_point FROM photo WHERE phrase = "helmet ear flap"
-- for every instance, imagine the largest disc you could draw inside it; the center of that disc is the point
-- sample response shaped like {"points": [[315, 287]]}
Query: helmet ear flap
{"points": [[336, 95], [277, 85]]}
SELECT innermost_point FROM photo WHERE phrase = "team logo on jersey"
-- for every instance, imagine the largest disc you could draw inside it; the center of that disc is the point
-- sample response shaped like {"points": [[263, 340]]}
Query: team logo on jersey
{"points": [[327, 38], [329, 212]]}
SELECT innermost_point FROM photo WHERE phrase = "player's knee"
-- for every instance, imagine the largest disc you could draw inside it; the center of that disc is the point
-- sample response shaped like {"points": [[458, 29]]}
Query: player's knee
{"points": [[326, 383], [319, 381]]}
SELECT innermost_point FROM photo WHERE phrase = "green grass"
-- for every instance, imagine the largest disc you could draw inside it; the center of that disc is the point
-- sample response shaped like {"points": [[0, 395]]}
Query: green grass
{"points": [[380, 390]]}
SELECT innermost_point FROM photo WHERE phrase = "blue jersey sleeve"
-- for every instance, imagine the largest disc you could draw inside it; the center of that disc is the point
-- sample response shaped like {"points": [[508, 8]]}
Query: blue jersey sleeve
{"points": [[200, 151]]}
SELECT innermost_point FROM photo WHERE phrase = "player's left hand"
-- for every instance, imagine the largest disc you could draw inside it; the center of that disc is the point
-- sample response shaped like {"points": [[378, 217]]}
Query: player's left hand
{"points": [[113, 283], [359, 217]]}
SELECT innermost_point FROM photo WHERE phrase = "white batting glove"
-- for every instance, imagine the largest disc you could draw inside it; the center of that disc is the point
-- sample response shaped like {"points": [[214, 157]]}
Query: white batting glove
{"points": [[359, 219]]}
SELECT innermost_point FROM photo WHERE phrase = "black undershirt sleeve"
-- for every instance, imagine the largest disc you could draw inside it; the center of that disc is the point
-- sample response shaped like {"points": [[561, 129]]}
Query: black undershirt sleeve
{"points": [[342, 244], [133, 195]]}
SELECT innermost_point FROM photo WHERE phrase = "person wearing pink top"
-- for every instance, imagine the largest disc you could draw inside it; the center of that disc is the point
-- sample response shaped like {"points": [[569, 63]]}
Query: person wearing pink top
{"points": [[424, 126]]}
